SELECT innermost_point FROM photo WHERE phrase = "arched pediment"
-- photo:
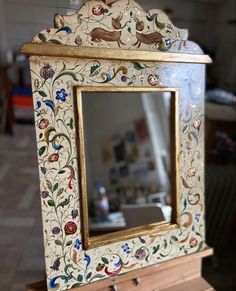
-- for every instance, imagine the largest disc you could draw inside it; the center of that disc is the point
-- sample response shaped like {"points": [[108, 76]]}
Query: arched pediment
{"points": [[123, 24]]}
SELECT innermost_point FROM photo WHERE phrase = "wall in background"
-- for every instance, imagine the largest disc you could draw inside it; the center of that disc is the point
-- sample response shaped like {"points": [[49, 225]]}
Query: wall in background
{"points": [[207, 21]]}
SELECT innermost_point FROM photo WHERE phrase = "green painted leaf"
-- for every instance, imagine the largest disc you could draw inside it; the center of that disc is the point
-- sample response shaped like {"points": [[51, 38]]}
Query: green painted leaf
{"points": [[163, 256], [69, 243], [42, 93], [94, 70], [55, 41], [106, 10], [151, 17], [89, 275], [43, 170], [41, 135], [165, 243], [60, 191], [49, 184], [142, 240], [61, 172], [51, 203], [80, 278], [160, 25], [70, 124], [55, 187], [138, 66], [173, 239], [156, 249], [42, 37], [58, 242], [42, 150], [129, 29], [105, 260]]}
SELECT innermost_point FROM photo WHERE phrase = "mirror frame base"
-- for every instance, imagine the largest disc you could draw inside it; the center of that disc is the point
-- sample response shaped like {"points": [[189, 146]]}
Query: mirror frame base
{"points": [[180, 274]]}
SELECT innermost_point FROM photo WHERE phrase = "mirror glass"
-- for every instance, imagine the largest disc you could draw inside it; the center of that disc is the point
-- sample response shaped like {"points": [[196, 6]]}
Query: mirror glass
{"points": [[127, 159]]}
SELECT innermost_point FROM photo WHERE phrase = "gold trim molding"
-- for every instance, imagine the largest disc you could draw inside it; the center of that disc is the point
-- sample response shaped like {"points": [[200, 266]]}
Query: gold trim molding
{"points": [[53, 50], [154, 228]]}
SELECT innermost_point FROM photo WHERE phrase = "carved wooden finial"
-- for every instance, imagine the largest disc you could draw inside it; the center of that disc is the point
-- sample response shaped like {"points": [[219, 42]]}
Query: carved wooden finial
{"points": [[108, 2]]}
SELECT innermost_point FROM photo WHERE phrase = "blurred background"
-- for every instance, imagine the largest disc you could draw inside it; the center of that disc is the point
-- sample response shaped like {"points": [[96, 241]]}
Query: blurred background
{"points": [[212, 24]]}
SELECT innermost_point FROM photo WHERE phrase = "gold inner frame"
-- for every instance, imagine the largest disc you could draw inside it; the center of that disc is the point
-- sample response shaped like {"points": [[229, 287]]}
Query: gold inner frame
{"points": [[154, 228]]}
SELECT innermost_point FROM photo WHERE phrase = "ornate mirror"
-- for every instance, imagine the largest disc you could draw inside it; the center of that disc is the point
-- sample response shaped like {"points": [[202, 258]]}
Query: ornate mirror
{"points": [[119, 116], [127, 136]]}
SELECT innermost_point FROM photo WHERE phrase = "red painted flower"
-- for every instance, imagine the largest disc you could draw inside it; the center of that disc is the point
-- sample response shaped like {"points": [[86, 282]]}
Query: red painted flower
{"points": [[70, 228], [153, 79], [53, 158], [98, 10], [43, 123]]}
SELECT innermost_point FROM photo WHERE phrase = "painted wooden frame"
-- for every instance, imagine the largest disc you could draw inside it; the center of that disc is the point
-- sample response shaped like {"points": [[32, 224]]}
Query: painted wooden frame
{"points": [[76, 54]]}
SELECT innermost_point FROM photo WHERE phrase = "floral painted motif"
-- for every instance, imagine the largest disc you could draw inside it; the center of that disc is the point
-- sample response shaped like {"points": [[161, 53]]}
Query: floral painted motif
{"points": [[57, 150], [61, 95], [53, 81], [70, 228]]}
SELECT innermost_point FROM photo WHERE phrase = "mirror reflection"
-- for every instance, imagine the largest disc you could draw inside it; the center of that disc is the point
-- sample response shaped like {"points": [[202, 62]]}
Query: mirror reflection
{"points": [[127, 155]]}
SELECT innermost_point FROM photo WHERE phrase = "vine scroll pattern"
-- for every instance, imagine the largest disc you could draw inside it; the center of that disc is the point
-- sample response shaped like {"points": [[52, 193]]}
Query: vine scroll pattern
{"points": [[53, 80]]}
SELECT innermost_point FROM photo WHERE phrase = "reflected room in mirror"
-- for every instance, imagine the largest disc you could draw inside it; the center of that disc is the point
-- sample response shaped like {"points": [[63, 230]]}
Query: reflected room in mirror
{"points": [[128, 139]]}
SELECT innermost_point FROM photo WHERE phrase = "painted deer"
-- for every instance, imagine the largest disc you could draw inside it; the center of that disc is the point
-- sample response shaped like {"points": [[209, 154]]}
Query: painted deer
{"points": [[147, 38], [98, 34]]}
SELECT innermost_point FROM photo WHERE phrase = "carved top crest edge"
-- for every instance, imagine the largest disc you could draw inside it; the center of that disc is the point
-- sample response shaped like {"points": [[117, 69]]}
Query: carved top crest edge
{"points": [[123, 24]]}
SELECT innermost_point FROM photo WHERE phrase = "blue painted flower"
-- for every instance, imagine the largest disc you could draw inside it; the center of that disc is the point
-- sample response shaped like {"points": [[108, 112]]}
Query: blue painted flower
{"points": [[77, 244], [61, 95], [74, 213], [197, 216], [125, 248], [168, 42]]}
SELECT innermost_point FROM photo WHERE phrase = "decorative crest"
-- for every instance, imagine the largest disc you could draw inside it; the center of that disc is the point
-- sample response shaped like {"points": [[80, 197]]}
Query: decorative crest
{"points": [[122, 24]]}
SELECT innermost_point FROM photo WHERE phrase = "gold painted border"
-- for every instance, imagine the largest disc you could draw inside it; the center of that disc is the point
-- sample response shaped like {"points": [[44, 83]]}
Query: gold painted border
{"points": [[155, 228], [53, 50]]}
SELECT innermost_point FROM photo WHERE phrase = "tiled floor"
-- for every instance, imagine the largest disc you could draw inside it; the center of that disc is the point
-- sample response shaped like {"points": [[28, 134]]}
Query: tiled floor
{"points": [[21, 243]]}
